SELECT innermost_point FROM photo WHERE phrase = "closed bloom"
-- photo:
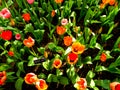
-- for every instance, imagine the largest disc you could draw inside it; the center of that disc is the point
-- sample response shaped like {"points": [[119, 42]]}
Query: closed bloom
{"points": [[105, 1], [11, 53], [30, 78], [41, 84], [78, 48], [103, 57], [67, 40], [115, 86], [72, 58], [26, 17], [6, 35], [58, 1], [53, 13], [3, 77], [61, 30], [30, 1], [64, 22], [17, 36], [5, 13], [57, 63], [112, 2], [29, 42], [81, 84]]}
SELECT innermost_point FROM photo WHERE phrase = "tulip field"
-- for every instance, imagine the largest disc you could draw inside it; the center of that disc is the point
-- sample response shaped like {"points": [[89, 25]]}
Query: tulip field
{"points": [[59, 45]]}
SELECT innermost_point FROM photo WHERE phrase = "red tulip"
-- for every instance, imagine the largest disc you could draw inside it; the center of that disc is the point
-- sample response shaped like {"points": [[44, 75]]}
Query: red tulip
{"points": [[3, 78], [6, 35]]}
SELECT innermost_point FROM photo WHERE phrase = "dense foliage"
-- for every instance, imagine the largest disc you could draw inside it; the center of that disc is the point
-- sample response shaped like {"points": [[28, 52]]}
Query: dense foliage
{"points": [[65, 44]]}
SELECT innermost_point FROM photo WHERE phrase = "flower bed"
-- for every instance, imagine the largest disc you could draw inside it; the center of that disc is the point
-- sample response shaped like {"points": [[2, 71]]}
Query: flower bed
{"points": [[59, 44]]}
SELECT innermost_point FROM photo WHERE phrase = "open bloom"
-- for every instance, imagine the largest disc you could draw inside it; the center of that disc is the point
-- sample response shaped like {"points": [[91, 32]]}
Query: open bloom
{"points": [[103, 57], [67, 40], [58, 1], [17, 36], [57, 63], [41, 84], [72, 58], [5, 13], [81, 84], [11, 53], [30, 78], [6, 35], [29, 42], [26, 17], [30, 1], [61, 30], [78, 48], [115, 86], [64, 22], [3, 77]]}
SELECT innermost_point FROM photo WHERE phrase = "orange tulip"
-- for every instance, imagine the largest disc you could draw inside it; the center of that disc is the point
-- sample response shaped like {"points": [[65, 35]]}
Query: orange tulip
{"points": [[58, 1], [30, 78], [57, 63], [61, 30], [81, 84], [3, 78], [41, 84], [103, 57], [112, 2], [67, 40], [72, 58], [29, 42], [105, 1], [78, 48], [53, 13]]}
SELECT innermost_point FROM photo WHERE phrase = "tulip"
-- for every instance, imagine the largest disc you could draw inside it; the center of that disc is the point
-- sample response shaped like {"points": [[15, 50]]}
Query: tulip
{"points": [[57, 63], [26, 17], [64, 22], [67, 40], [6, 35], [5, 13], [30, 1], [30, 78], [3, 77], [60, 30], [41, 84], [29, 42], [78, 48], [81, 84]]}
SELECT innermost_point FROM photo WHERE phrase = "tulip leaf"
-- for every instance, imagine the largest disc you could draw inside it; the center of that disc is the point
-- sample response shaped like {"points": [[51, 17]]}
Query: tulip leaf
{"points": [[63, 80], [38, 34], [18, 83]]}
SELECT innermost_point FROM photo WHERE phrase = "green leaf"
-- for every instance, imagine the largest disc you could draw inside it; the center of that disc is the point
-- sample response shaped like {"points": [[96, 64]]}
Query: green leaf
{"points": [[29, 28], [10, 60], [59, 72], [21, 66], [42, 75], [63, 80], [92, 83], [100, 68], [51, 46], [18, 83], [4, 67], [116, 43], [87, 60], [41, 50], [115, 64], [31, 61], [93, 42], [38, 34], [90, 74], [47, 65], [9, 3], [103, 83], [52, 78], [19, 2]]}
